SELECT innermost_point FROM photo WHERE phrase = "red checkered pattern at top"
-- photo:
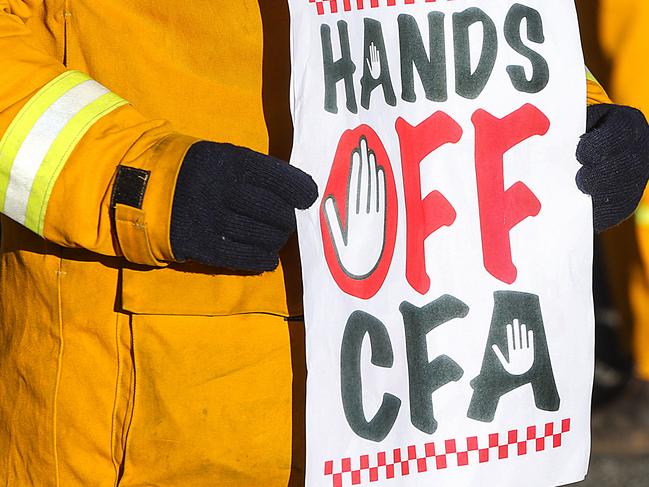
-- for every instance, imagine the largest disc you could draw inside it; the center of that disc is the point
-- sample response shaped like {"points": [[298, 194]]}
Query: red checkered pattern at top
{"points": [[335, 6], [413, 460]]}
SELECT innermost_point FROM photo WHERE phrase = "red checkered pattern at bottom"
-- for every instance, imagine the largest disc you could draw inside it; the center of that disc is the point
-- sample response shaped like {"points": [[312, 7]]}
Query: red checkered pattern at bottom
{"points": [[335, 6], [414, 459]]}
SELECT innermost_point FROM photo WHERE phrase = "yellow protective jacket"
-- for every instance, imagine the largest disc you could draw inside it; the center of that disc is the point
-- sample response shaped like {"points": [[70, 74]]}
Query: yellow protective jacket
{"points": [[115, 365], [101, 340]]}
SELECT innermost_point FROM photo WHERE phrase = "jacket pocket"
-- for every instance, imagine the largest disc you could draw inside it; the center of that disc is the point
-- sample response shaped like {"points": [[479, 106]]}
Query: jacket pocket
{"points": [[204, 291]]}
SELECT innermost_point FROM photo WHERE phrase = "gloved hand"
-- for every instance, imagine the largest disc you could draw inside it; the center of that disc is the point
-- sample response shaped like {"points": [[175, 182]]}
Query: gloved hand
{"points": [[235, 208], [614, 153]]}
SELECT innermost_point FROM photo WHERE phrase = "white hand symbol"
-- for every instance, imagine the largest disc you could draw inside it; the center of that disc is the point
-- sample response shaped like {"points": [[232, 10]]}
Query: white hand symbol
{"points": [[360, 245], [520, 348], [374, 61]]}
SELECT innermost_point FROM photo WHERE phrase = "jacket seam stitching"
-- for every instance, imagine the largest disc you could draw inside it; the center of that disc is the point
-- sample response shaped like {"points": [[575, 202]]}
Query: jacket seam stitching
{"points": [[57, 384], [113, 445]]}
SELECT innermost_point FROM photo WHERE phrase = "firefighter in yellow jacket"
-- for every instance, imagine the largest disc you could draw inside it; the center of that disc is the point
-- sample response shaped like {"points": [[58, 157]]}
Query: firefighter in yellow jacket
{"points": [[139, 342], [618, 42], [625, 41], [114, 364]]}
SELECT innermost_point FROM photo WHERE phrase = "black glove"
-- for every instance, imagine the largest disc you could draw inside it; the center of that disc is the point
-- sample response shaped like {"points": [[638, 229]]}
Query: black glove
{"points": [[235, 208], [614, 152]]}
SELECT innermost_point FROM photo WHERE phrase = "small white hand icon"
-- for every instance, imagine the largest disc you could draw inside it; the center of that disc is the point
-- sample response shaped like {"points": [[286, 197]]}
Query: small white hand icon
{"points": [[520, 348], [374, 61], [360, 245]]}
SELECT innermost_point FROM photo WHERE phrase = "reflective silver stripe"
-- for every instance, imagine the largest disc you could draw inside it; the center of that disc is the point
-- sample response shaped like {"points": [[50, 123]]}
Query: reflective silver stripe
{"points": [[38, 142]]}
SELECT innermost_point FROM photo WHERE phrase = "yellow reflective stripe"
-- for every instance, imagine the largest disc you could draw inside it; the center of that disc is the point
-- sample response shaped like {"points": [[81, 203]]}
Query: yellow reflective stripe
{"points": [[589, 76], [23, 123], [642, 214], [41, 138], [59, 152]]}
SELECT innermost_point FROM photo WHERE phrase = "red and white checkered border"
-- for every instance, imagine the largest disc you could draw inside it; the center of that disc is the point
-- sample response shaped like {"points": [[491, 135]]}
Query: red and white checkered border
{"points": [[432, 455], [336, 6]]}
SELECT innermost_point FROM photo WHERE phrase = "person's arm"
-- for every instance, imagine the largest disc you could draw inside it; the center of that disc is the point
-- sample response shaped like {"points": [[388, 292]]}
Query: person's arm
{"points": [[81, 167]]}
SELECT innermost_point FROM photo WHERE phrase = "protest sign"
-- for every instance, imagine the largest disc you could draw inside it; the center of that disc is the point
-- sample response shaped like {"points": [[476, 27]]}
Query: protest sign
{"points": [[447, 263]]}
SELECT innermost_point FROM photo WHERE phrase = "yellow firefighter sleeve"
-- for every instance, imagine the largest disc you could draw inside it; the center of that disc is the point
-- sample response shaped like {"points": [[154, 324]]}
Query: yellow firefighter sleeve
{"points": [[62, 137], [595, 92]]}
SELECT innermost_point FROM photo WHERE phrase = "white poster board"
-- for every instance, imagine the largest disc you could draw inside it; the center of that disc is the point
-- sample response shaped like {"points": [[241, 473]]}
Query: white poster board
{"points": [[447, 263]]}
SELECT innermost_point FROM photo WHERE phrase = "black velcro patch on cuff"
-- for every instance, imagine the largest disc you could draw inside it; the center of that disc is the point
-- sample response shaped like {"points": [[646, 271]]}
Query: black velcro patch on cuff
{"points": [[130, 185]]}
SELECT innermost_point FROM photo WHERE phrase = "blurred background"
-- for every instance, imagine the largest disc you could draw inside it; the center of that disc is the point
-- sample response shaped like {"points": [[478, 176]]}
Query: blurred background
{"points": [[615, 35]]}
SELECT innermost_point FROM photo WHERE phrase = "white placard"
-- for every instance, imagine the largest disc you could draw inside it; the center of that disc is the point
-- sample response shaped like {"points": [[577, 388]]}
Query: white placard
{"points": [[447, 263]]}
